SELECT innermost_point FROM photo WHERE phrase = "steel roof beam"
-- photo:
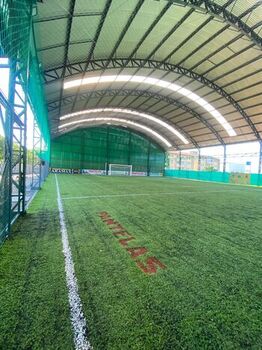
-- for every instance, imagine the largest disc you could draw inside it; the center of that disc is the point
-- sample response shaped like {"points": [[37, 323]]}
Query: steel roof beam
{"points": [[54, 18], [125, 29], [149, 30], [68, 34], [216, 51], [97, 34], [212, 37], [243, 78], [167, 36], [219, 64], [218, 10], [189, 38], [63, 44], [127, 26]]}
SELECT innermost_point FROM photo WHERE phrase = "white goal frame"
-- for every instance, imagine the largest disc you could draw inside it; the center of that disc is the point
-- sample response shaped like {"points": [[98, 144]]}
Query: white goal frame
{"points": [[123, 169]]}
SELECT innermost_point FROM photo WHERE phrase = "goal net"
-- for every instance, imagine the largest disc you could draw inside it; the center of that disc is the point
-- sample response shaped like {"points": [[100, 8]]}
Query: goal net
{"points": [[120, 169]]}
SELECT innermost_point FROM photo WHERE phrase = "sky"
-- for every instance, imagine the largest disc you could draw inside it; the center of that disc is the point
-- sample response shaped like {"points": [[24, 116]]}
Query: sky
{"points": [[4, 80], [238, 153]]}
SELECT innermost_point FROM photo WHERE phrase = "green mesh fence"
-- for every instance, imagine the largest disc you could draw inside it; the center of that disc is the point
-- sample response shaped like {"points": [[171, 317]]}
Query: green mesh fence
{"points": [[256, 179], [36, 97], [93, 148], [248, 179], [18, 55]]}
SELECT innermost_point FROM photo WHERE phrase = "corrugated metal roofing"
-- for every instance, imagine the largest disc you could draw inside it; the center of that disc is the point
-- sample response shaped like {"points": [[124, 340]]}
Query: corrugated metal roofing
{"points": [[212, 48]]}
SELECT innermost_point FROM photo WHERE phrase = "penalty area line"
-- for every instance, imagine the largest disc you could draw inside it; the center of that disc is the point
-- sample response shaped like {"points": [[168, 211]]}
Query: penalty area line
{"points": [[149, 194], [76, 312]]}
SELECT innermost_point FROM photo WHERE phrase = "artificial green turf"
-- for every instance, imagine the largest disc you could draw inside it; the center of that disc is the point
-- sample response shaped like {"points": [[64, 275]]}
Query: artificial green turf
{"points": [[208, 235], [34, 311]]}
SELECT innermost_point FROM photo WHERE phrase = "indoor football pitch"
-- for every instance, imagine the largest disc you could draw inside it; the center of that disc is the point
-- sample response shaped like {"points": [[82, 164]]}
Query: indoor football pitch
{"points": [[161, 264]]}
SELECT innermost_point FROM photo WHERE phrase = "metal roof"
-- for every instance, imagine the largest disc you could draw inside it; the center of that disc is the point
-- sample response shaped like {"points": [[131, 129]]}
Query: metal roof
{"points": [[211, 48]]}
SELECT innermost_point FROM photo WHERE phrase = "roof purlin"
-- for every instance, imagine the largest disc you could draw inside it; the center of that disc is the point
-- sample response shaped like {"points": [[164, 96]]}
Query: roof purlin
{"points": [[124, 31], [97, 34], [68, 34]]}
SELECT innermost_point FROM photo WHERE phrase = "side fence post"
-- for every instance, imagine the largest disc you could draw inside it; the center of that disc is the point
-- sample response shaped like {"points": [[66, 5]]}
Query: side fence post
{"points": [[260, 158], [224, 158]]}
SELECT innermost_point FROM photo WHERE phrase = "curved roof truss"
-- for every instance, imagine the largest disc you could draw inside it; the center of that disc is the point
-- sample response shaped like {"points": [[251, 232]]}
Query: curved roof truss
{"points": [[53, 105], [100, 65], [211, 46], [130, 112], [70, 125]]}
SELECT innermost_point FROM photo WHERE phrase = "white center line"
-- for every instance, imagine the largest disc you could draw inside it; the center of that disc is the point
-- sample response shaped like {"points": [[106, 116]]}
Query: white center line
{"points": [[148, 194], [76, 313]]}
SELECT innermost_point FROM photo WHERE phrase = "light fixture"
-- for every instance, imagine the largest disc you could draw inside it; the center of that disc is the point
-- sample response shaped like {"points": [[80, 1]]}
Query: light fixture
{"points": [[4, 61], [132, 112], [156, 82], [121, 121]]}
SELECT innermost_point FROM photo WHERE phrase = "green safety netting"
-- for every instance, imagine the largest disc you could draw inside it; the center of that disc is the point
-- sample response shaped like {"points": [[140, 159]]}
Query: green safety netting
{"points": [[216, 176], [199, 175], [17, 43], [17, 50], [256, 179], [36, 96], [94, 147]]}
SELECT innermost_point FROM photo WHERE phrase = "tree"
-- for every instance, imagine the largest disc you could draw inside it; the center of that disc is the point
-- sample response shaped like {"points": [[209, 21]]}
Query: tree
{"points": [[2, 148], [15, 146], [210, 168]]}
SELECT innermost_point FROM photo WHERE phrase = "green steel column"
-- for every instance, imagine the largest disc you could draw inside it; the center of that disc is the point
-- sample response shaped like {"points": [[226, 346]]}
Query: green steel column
{"points": [[26, 85], [107, 149], [129, 147], [199, 159], [180, 155], [260, 157], [82, 150], [148, 159], [9, 138], [40, 167], [224, 158]]}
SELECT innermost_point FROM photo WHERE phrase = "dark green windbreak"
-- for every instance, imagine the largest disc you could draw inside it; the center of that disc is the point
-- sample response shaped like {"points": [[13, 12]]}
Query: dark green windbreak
{"points": [[92, 148]]}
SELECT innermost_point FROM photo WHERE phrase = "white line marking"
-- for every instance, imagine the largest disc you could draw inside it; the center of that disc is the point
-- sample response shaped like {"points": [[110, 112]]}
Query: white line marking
{"points": [[76, 313], [149, 194]]}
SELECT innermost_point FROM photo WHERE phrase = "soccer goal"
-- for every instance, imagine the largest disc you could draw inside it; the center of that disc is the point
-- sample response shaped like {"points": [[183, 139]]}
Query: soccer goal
{"points": [[120, 169]]}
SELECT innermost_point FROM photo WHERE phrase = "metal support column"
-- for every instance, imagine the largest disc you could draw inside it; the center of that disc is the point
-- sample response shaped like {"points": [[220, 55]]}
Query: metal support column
{"points": [[148, 159], [199, 160], [41, 163], [36, 164], [82, 151], [260, 158], [107, 149], [6, 116], [18, 100], [129, 148], [180, 160], [224, 158]]}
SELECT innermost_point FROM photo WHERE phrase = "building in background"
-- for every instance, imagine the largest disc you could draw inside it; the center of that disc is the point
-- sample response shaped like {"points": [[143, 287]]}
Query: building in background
{"points": [[189, 161]]}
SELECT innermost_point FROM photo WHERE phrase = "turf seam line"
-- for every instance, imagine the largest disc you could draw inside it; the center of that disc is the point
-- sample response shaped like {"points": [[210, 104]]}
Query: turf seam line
{"points": [[148, 194], [76, 312]]}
